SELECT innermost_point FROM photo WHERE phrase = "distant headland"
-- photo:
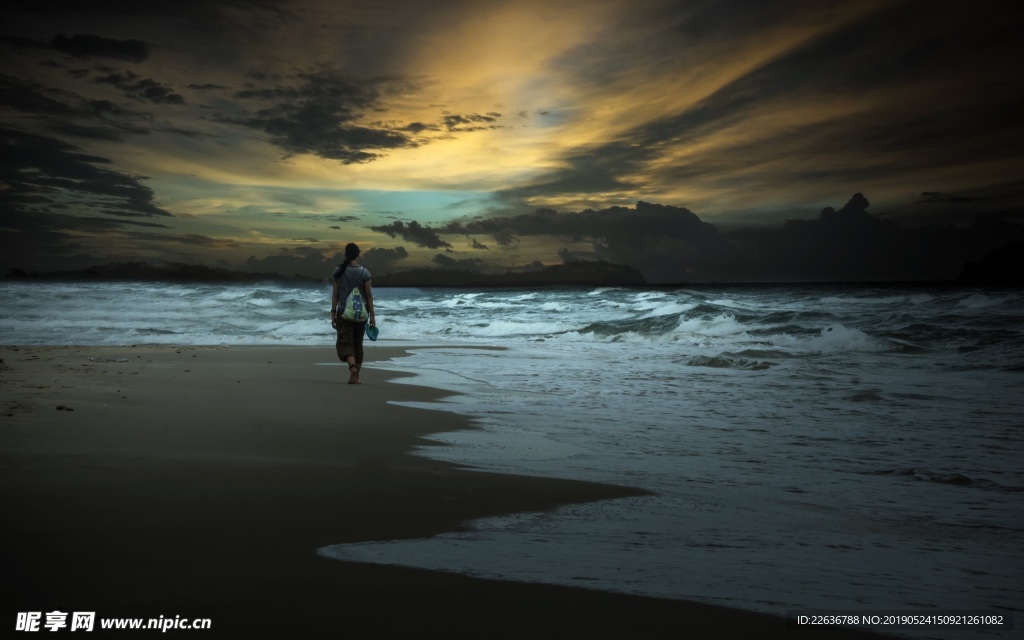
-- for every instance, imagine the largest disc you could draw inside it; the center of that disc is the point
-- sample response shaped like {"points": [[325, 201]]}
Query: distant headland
{"points": [[581, 273], [144, 272]]}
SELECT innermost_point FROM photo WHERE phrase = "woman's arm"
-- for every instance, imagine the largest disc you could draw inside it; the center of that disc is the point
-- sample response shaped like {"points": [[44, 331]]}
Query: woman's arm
{"points": [[334, 304], [369, 302]]}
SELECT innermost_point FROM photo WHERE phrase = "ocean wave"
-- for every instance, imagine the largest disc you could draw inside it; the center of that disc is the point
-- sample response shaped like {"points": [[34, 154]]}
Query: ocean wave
{"points": [[760, 323], [784, 329], [460, 299], [649, 295], [676, 309], [719, 325], [156, 331], [757, 353], [836, 338], [905, 346], [654, 325], [261, 300], [868, 299], [982, 301], [948, 478], [554, 306], [798, 317], [722, 362]]}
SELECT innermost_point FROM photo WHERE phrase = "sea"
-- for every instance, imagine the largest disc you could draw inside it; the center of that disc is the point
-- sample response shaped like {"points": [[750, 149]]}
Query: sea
{"points": [[818, 449]]}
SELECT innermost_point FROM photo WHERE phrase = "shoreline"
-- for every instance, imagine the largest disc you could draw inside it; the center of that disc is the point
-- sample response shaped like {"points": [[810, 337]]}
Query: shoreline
{"points": [[201, 481]]}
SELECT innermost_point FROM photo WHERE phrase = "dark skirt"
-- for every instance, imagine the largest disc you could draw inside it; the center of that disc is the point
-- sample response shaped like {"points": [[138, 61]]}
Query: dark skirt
{"points": [[350, 340]]}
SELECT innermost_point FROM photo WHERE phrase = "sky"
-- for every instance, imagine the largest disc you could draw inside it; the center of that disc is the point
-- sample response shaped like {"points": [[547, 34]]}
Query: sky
{"points": [[694, 140]]}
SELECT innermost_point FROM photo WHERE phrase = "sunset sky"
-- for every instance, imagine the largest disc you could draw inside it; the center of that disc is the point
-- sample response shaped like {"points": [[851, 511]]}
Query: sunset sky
{"points": [[215, 131]]}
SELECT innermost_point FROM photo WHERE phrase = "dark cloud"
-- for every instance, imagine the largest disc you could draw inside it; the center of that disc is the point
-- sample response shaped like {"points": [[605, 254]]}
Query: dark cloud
{"points": [[470, 122], [40, 100], [929, 82], [567, 256], [418, 127], [319, 115], [102, 120], [341, 219], [66, 113], [851, 244], [504, 237], [19, 42], [106, 107], [39, 176], [204, 16], [206, 87], [593, 170], [303, 261], [671, 244], [464, 264], [413, 232], [603, 225], [381, 260], [186, 133], [277, 93], [161, 241], [84, 45], [667, 243], [30, 97], [142, 89], [40, 172]]}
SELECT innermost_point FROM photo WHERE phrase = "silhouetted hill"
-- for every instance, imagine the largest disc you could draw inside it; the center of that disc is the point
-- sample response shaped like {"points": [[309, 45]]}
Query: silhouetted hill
{"points": [[571, 274], [1004, 265], [583, 273], [143, 272]]}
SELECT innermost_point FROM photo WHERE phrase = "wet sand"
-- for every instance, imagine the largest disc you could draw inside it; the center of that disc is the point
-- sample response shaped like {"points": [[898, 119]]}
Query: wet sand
{"points": [[200, 481]]}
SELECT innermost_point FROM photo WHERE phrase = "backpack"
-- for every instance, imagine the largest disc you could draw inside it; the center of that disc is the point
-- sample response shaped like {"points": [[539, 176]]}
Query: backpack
{"points": [[354, 309]]}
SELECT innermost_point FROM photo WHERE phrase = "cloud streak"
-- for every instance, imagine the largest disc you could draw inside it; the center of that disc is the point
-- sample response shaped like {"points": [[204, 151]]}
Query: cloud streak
{"points": [[413, 232], [86, 45], [40, 172], [56, 200], [142, 89], [320, 114]]}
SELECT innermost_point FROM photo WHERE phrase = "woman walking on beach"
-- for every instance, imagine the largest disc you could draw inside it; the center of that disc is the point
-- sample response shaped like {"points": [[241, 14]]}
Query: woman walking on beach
{"points": [[347, 277]]}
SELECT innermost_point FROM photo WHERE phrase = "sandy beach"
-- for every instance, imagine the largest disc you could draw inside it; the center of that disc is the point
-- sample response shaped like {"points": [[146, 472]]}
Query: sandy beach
{"points": [[200, 481]]}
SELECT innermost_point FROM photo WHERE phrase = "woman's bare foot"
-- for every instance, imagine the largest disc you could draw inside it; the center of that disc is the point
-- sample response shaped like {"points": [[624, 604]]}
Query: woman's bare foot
{"points": [[353, 374]]}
